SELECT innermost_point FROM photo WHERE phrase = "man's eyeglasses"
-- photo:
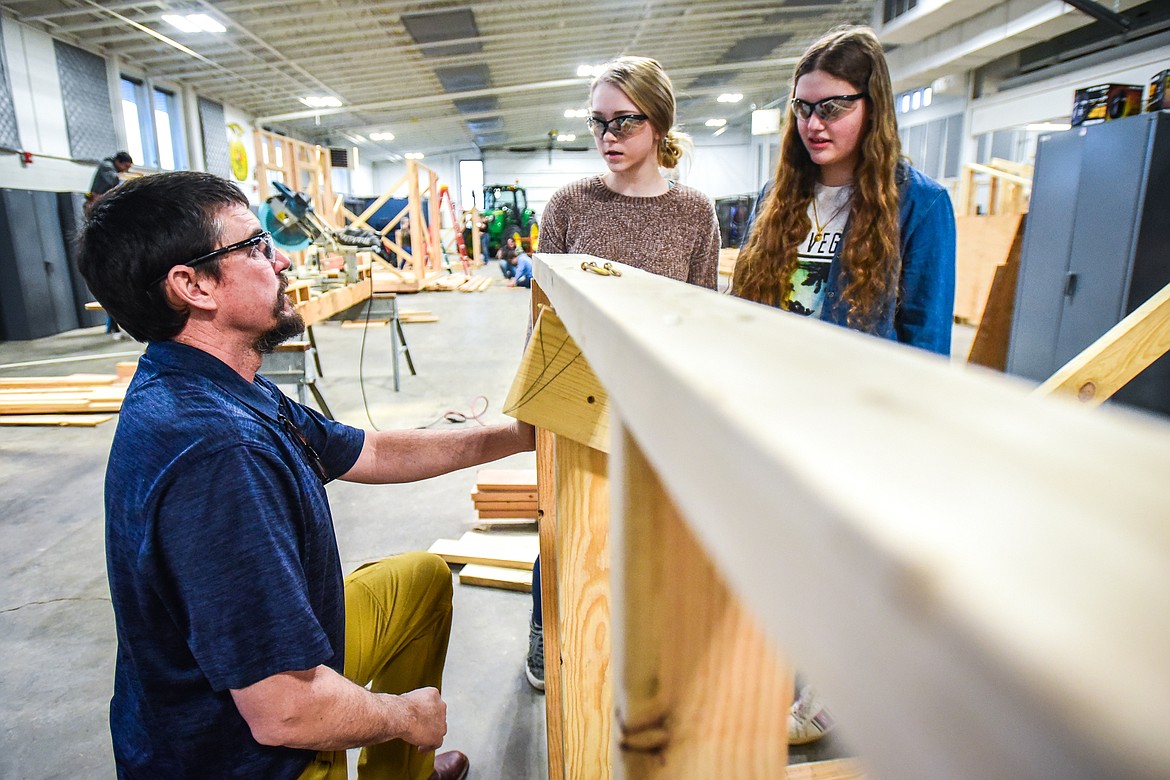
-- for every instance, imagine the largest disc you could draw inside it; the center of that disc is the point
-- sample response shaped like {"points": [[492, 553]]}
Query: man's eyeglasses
{"points": [[310, 454], [262, 240], [620, 126], [827, 109]]}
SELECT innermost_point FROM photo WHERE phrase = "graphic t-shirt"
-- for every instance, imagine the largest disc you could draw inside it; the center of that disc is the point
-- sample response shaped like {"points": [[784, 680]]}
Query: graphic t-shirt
{"points": [[828, 212]]}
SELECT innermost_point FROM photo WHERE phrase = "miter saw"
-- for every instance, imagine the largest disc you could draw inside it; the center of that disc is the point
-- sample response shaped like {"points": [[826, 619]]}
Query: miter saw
{"points": [[290, 218]]}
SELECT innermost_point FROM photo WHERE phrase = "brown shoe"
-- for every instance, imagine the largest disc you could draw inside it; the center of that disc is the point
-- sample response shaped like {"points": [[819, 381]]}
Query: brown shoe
{"points": [[451, 765]]}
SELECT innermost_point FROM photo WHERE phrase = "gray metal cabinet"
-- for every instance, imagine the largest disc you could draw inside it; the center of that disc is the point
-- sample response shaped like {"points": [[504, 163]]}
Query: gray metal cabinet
{"points": [[1097, 246]]}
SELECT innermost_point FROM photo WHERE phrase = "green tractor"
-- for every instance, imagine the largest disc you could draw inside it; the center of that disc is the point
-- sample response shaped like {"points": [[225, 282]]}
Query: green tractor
{"points": [[506, 213]]}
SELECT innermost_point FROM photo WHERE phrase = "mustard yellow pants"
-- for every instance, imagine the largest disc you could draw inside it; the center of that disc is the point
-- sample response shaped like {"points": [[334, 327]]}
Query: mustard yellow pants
{"points": [[397, 623]]}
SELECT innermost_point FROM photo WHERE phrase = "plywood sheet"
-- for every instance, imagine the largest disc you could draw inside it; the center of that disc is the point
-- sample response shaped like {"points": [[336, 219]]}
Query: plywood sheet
{"points": [[513, 551]]}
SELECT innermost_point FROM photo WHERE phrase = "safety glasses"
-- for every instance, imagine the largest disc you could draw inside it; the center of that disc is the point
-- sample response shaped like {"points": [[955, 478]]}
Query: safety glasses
{"points": [[827, 109], [620, 126], [262, 240], [311, 456]]}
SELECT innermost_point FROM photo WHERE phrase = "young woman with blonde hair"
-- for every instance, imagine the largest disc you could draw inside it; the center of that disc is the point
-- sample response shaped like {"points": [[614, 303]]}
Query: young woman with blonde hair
{"points": [[848, 231], [631, 214]]}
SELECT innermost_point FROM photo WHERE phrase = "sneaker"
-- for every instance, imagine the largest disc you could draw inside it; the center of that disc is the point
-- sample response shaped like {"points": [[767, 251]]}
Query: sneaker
{"points": [[809, 719], [534, 665]]}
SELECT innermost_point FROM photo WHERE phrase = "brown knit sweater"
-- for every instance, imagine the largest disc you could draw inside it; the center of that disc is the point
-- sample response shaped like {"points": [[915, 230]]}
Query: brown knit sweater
{"points": [[674, 235]]}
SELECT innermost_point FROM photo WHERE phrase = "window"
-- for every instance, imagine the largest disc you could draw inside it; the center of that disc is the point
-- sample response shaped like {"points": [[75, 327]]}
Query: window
{"points": [[470, 183], [895, 8], [154, 126]]}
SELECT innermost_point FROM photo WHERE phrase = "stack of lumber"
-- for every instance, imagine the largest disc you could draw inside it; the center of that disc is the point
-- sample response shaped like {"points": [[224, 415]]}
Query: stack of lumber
{"points": [[492, 560], [475, 284], [460, 282], [76, 399], [505, 494]]}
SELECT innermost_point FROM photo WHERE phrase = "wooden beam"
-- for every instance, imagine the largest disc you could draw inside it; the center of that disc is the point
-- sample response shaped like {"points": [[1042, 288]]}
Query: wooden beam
{"points": [[546, 482], [582, 488], [701, 692], [1123, 352], [959, 632]]}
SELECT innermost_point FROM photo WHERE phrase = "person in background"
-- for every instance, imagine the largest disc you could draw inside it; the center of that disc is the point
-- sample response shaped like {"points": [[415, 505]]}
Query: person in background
{"points": [[505, 254], [632, 213], [848, 232], [521, 268], [105, 178], [402, 236], [242, 649]]}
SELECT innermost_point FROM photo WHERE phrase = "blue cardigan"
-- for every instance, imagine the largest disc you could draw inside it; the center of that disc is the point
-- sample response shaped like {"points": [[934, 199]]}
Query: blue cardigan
{"points": [[924, 311]]}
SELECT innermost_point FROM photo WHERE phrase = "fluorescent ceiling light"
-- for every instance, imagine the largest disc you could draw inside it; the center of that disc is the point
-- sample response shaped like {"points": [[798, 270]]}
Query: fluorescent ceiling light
{"points": [[566, 137], [589, 71], [180, 23], [193, 23], [730, 97], [381, 136], [414, 155], [321, 102], [206, 23], [715, 122], [720, 131], [576, 113]]}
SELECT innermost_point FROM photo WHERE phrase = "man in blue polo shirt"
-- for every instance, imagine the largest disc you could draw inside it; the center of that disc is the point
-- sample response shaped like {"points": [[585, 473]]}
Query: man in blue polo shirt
{"points": [[242, 651]]}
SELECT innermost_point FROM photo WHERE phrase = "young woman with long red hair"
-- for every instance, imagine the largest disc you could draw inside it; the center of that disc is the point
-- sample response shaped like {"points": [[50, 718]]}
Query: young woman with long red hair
{"points": [[848, 232]]}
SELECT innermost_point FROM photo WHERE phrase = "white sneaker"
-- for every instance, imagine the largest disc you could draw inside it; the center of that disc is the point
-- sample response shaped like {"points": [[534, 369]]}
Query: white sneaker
{"points": [[809, 719]]}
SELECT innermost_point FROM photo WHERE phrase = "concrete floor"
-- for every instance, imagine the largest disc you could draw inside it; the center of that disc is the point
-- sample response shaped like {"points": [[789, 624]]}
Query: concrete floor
{"points": [[56, 625]]}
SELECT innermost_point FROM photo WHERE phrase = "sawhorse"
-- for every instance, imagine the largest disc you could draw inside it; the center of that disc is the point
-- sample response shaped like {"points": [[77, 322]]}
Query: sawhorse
{"points": [[296, 361], [398, 345]]}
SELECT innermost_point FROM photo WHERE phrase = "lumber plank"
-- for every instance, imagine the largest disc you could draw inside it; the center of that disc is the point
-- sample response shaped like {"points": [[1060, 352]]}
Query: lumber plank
{"points": [[1123, 352], [545, 478], [582, 490], [505, 495], [50, 382], [514, 551], [125, 370], [496, 577], [688, 666], [556, 389], [837, 769], [488, 480], [990, 345], [498, 514], [946, 610], [983, 245], [504, 505], [80, 420]]}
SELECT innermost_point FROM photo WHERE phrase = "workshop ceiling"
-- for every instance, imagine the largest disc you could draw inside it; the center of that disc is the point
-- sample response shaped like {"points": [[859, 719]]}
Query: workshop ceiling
{"points": [[445, 76]]}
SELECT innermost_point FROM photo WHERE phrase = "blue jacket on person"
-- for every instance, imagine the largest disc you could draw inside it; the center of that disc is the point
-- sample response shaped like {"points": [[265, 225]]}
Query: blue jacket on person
{"points": [[924, 311]]}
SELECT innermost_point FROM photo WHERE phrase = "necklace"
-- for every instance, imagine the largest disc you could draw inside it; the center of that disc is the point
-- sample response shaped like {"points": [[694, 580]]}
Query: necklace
{"points": [[820, 232]]}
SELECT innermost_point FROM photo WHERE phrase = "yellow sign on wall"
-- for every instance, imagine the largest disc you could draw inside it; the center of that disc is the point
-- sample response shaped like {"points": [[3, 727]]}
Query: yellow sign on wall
{"points": [[238, 152]]}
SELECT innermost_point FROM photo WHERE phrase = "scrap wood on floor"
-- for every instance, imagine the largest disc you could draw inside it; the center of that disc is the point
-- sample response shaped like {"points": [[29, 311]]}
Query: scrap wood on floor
{"points": [[512, 551], [499, 560], [496, 577], [75, 399], [505, 494]]}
